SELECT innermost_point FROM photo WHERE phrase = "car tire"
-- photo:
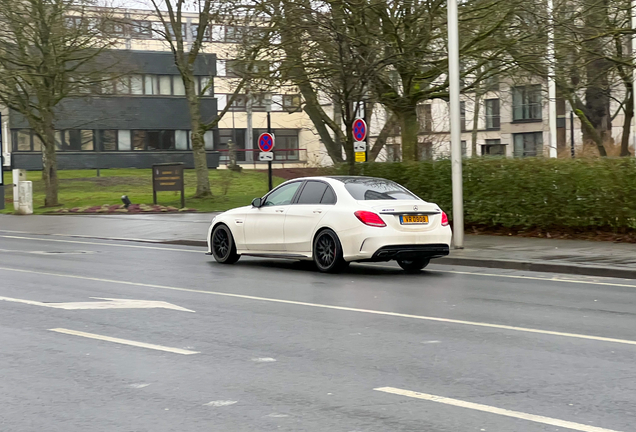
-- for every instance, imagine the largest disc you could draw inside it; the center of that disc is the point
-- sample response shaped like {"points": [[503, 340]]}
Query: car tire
{"points": [[328, 252], [414, 265], [223, 246]]}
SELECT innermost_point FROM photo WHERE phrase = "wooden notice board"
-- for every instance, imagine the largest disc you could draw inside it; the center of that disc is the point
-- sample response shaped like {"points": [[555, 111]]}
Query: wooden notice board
{"points": [[166, 178]]}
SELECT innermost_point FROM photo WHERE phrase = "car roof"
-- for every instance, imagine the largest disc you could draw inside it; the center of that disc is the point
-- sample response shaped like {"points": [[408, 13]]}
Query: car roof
{"points": [[342, 179]]}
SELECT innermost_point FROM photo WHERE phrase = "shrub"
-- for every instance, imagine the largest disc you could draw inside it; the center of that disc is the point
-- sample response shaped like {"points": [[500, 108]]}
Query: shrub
{"points": [[531, 193]]}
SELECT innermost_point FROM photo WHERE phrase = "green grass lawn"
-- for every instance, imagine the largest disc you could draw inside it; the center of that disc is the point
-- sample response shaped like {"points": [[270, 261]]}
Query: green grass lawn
{"points": [[80, 188]]}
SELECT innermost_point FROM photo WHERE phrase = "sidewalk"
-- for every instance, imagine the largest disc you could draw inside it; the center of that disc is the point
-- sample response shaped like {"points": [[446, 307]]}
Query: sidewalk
{"points": [[516, 253]]}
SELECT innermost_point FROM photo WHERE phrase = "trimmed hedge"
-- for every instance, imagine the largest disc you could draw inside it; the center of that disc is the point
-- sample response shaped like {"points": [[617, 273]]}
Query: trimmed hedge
{"points": [[531, 193]]}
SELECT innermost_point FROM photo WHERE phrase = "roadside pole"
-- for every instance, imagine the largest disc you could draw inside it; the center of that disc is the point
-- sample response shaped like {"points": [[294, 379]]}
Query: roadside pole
{"points": [[552, 111], [455, 132], [268, 108]]}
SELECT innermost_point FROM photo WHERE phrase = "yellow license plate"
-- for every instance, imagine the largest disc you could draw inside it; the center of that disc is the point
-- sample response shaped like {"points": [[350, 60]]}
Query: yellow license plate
{"points": [[415, 219]]}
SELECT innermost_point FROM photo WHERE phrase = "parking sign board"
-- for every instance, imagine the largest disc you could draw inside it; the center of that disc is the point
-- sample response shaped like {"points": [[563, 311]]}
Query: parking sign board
{"points": [[359, 130], [266, 142]]}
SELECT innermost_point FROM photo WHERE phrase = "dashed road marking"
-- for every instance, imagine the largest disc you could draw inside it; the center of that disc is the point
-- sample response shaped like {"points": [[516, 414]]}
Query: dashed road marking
{"points": [[124, 341], [494, 410]]}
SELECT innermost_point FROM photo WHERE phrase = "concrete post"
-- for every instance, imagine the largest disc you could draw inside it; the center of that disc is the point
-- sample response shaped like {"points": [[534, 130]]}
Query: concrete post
{"points": [[25, 204], [18, 176]]}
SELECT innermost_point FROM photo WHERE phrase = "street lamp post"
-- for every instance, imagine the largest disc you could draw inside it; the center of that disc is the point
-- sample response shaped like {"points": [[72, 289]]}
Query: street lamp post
{"points": [[455, 130], [552, 112], [268, 108]]}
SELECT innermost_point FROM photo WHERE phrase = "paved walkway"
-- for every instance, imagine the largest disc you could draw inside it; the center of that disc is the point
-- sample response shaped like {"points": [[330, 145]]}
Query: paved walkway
{"points": [[559, 256]]}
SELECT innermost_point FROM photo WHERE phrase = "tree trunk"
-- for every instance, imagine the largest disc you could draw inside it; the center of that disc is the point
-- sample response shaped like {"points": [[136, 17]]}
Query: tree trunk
{"points": [[627, 125], [49, 161], [473, 136], [380, 141], [410, 130], [198, 142], [598, 70]]}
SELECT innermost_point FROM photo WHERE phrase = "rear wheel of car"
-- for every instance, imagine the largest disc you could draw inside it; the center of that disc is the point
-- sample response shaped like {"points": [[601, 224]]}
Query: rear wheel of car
{"points": [[223, 247], [414, 265], [328, 252]]}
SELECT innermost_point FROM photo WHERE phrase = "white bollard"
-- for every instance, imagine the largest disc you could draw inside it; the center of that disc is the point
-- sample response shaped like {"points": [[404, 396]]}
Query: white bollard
{"points": [[25, 205], [18, 176]]}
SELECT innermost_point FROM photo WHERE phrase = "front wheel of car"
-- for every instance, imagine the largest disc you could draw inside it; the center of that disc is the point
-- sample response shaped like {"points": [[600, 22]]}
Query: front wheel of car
{"points": [[414, 265], [223, 247], [328, 252]]}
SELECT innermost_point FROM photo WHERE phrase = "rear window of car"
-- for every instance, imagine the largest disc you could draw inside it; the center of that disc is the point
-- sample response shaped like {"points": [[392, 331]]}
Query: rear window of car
{"points": [[371, 189]]}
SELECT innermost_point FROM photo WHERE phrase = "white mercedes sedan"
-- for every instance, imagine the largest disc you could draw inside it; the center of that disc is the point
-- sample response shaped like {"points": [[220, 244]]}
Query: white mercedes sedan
{"points": [[334, 221]]}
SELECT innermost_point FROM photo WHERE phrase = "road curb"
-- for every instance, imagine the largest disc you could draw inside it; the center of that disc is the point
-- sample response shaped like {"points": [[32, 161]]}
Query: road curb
{"points": [[543, 267]]}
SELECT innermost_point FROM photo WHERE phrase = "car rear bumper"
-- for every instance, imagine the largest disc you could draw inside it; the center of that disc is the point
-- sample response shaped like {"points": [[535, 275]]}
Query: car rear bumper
{"points": [[379, 244], [408, 252]]}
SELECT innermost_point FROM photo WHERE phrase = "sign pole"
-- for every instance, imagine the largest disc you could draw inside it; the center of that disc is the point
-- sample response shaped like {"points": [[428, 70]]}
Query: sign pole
{"points": [[268, 108]]}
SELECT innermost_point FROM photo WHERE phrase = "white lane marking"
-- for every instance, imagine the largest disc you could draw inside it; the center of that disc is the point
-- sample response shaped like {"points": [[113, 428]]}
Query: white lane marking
{"points": [[102, 244], [138, 386], [494, 410], [276, 415], [124, 341], [342, 308], [220, 403], [264, 360], [108, 304], [551, 279]]}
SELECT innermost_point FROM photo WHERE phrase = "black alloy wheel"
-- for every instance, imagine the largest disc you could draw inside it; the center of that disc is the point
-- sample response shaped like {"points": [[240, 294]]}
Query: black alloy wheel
{"points": [[328, 252], [223, 247], [414, 265]]}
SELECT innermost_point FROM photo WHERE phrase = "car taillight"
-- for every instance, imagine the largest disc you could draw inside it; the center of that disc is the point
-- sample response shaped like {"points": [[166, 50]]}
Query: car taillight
{"points": [[444, 219], [370, 218]]}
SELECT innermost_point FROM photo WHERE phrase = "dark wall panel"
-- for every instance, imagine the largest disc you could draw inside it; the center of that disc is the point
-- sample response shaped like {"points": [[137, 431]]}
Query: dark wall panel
{"points": [[139, 112], [70, 161]]}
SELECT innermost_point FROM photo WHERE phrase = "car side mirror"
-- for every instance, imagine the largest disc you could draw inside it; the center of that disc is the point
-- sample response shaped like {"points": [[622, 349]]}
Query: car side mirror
{"points": [[257, 202]]}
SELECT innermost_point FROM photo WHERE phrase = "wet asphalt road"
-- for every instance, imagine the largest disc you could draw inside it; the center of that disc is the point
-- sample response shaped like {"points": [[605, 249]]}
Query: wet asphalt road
{"points": [[278, 347]]}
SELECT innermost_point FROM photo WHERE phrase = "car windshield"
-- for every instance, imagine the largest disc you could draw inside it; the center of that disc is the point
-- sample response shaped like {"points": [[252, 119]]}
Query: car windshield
{"points": [[370, 189]]}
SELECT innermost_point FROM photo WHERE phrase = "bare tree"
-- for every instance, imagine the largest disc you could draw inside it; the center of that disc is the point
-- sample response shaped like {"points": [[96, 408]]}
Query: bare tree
{"points": [[171, 15], [49, 51]]}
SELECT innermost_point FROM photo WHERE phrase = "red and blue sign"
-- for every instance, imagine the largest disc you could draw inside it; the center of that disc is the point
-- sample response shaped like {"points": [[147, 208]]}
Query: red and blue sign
{"points": [[359, 130], [266, 142]]}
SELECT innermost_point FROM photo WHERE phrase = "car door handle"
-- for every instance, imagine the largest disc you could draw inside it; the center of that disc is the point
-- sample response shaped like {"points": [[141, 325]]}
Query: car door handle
{"points": [[280, 211], [318, 211]]}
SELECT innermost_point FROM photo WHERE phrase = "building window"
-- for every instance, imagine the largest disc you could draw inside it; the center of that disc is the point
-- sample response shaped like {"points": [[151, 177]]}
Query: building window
{"points": [[462, 115], [526, 103], [424, 115], [207, 32], [393, 153], [122, 85], [139, 140], [493, 120], [425, 150], [181, 139], [493, 147], [165, 85], [107, 139], [239, 68], [287, 143], [141, 29], [137, 84], [464, 149], [234, 34], [151, 85], [291, 103], [237, 136], [528, 144], [239, 103], [22, 140]]}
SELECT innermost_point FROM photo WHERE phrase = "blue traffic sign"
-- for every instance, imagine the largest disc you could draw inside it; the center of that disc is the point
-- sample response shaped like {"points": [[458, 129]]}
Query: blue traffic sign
{"points": [[266, 142]]}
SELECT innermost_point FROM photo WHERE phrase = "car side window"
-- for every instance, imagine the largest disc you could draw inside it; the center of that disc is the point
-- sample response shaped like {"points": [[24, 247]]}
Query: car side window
{"points": [[329, 197], [312, 193], [282, 195]]}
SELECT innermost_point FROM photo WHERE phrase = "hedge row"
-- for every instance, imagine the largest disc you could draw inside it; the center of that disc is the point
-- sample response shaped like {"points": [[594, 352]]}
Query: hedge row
{"points": [[527, 193]]}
